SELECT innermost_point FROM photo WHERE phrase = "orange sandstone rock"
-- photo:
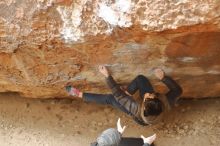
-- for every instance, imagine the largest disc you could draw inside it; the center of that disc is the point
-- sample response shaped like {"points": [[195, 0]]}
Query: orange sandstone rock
{"points": [[43, 46]]}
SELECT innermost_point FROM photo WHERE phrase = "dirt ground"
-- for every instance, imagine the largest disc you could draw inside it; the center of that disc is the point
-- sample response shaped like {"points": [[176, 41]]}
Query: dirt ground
{"points": [[55, 122]]}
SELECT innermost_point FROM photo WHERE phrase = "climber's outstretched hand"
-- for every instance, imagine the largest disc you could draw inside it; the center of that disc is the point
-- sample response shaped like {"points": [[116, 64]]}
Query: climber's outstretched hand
{"points": [[159, 73], [103, 70]]}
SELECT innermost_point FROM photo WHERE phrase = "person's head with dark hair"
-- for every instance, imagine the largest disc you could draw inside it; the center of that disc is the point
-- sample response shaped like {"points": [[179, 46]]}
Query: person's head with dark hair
{"points": [[153, 107]]}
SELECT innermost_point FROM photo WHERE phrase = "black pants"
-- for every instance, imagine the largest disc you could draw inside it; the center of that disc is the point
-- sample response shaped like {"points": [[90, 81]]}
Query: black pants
{"points": [[129, 141], [140, 83]]}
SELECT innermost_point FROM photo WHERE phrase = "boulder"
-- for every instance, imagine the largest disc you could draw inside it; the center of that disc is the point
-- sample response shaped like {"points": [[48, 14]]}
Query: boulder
{"points": [[46, 43]]}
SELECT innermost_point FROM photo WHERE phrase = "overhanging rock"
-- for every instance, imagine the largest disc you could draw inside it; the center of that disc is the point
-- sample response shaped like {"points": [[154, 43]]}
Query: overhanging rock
{"points": [[46, 43]]}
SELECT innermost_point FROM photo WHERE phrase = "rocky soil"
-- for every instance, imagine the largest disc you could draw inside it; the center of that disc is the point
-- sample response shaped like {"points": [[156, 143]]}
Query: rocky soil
{"points": [[62, 122]]}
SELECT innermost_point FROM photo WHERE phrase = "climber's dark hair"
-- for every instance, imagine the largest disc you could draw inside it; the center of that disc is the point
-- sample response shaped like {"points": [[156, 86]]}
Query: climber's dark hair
{"points": [[153, 107]]}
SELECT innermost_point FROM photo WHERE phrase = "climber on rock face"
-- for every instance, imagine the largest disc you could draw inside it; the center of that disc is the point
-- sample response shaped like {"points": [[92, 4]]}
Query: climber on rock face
{"points": [[152, 105]]}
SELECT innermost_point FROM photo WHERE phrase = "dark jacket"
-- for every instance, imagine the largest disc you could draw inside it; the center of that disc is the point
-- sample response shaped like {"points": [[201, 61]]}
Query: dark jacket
{"points": [[135, 109]]}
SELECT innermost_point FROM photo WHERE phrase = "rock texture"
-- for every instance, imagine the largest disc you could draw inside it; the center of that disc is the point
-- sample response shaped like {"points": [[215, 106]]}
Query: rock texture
{"points": [[46, 43]]}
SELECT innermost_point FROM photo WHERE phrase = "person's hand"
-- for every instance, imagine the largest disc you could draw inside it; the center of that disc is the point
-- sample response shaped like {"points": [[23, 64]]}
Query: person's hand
{"points": [[149, 140], [148, 95], [119, 128], [103, 70], [159, 73]]}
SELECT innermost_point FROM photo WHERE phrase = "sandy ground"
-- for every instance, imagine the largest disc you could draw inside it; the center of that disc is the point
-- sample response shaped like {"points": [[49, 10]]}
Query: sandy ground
{"points": [[55, 122]]}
